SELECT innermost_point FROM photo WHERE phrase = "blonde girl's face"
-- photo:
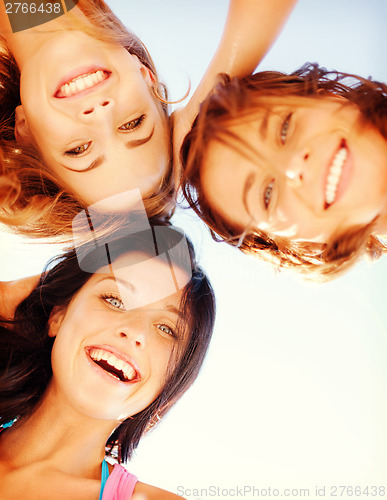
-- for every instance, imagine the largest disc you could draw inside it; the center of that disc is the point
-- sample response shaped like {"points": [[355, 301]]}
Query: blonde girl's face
{"points": [[116, 340], [89, 108], [305, 169]]}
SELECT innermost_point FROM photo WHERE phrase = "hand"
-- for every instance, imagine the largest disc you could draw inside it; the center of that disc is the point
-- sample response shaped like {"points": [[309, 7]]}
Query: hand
{"points": [[14, 292]]}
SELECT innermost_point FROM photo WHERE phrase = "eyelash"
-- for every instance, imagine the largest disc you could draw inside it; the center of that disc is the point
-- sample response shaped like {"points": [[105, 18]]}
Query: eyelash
{"points": [[136, 123], [76, 151], [127, 127], [171, 331], [267, 194], [107, 297], [285, 128]]}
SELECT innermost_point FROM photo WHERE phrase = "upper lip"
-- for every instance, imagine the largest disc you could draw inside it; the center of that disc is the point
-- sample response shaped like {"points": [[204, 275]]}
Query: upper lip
{"points": [[83, 72], [119, 354]]}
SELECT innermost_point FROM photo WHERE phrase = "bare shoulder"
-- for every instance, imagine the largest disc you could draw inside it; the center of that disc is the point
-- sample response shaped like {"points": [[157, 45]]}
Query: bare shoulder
{"points": [[148, 492]]}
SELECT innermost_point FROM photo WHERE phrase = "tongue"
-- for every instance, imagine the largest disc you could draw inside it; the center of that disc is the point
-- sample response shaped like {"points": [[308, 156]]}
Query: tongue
{"points": [[110, 369]]}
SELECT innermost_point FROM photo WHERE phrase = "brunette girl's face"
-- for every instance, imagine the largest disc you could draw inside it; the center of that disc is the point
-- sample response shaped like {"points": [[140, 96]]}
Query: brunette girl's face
{"points": [[89, 108], [117, 339], [306, 169]]}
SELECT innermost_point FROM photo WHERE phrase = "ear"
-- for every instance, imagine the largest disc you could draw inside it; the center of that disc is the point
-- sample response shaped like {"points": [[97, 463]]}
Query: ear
{"points": [[22, 131], [146, 73], [55, 320]]}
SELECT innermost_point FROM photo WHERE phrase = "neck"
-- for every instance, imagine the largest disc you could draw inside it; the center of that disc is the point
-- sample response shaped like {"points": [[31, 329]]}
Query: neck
{"points": [[60, 436], [24, 44]]}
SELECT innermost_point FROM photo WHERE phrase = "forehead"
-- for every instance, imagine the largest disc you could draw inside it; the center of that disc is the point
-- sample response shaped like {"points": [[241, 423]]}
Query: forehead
{"points": [[223, 175], [145, 279]]}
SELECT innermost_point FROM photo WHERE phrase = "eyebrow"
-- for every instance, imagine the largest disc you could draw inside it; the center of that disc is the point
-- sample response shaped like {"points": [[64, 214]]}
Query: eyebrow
{"points": [[96, 163], [246, 189], [126, 283], [264, 125], [176, 311], [134, 143]]}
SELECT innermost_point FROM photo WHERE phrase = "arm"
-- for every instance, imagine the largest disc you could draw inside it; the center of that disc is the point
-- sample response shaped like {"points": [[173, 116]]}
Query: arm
{"points": [[14, 292], [250, 30]]}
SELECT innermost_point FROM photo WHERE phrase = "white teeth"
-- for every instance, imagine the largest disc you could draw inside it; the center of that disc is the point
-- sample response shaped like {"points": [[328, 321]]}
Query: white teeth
{"points": [[82, 83], [128, 372], [100, 75], [334, 175], [66, 89], [94, 78], [114, 361], [89, 82]]}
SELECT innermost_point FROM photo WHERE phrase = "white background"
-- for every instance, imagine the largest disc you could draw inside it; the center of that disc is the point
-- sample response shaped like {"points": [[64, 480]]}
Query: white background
{"points": [[293, 392]]}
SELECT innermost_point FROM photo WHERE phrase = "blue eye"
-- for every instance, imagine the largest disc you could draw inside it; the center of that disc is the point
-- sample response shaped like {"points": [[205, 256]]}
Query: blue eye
{"points": [[285, 128], [166, 329], [114, 301], [267, 194]]}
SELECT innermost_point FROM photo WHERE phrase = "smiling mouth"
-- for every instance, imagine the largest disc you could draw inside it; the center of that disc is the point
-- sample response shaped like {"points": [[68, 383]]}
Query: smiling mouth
{"points": [[335, 174], [113, 365], [81, 83]]}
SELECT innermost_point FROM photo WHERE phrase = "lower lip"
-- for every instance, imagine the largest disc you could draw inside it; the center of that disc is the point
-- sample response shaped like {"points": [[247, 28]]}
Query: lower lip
{"points": [[107, 376], [83, 71], [344, 177]]}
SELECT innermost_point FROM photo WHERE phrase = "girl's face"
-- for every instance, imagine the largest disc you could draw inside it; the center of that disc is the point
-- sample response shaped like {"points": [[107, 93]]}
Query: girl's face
{"points": [[310, 168], [90, 110], [110, 358]]}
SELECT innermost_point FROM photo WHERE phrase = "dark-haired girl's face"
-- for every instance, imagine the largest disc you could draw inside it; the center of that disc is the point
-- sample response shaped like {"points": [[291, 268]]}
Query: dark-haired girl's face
{"points": [[117, 339], [306, 168]]}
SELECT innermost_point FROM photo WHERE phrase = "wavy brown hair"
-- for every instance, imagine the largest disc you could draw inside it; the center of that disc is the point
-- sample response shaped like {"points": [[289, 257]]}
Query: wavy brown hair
{"points": [[32, 200], [233, 98]]}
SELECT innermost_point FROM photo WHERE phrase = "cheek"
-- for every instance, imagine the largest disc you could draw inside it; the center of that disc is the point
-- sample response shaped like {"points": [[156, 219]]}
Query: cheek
{"points": [[161, 359], [296, 221]]}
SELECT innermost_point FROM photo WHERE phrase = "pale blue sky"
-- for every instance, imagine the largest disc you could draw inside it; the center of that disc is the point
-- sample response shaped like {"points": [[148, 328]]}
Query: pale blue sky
{"points": [[293, 391]]}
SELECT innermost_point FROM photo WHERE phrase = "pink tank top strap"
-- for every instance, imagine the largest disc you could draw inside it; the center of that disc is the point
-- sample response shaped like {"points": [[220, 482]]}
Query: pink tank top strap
{"points": [[120, 484]]}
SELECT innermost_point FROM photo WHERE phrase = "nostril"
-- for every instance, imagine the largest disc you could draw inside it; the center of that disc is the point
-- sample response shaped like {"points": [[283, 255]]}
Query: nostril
{"points": [[123, 335], [138, 343], [306, 156], [87, 112], [105, 103]]}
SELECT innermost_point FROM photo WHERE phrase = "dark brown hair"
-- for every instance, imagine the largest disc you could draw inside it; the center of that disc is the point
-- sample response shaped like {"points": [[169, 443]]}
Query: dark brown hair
{"points": [[232, 99], [32, 200], [25, 347]]}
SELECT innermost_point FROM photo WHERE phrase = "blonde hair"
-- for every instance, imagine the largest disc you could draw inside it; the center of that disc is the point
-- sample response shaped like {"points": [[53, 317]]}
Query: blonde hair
{"points": [[33, 202]]}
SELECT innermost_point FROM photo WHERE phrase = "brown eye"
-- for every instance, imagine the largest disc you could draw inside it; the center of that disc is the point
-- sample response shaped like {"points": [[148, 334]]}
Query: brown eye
{"points": [[285, 128], [133, 124], [79, 150], [267, 194]]}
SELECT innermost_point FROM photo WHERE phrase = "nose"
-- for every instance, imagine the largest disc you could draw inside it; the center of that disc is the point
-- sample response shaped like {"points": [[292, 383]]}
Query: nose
{"points": [[133, 330], [98, 108], [295, 167]]}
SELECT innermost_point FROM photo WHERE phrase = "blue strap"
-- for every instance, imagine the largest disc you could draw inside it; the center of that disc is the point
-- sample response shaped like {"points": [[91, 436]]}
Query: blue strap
{"points": [[8, 424], [104, 477], [105, 468]]}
